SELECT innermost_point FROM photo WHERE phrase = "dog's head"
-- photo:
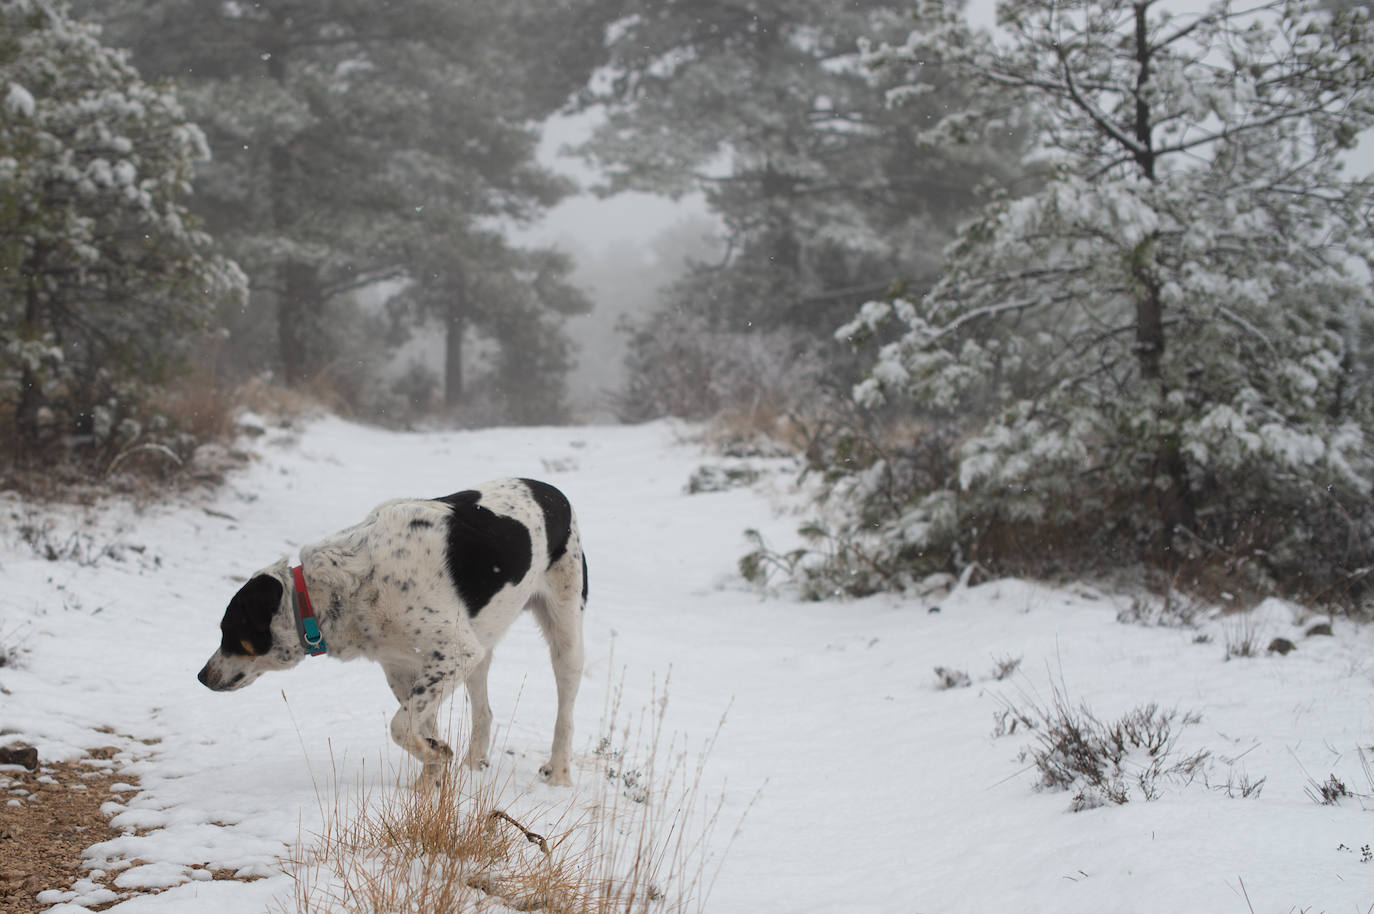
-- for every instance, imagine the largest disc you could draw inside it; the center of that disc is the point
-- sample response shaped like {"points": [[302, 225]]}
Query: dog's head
{"points": [[258, 633]]}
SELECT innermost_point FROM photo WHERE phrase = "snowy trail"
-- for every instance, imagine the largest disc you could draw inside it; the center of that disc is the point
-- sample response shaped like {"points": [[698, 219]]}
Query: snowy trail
{"points": [[879, 791]]}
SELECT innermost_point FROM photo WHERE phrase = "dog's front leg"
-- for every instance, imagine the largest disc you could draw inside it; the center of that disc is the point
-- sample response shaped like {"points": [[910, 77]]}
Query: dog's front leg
{"points": [[413, 727]]}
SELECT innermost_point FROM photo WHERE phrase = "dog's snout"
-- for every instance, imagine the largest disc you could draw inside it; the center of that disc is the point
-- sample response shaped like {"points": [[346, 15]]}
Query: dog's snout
{"points": [[213, 678]]}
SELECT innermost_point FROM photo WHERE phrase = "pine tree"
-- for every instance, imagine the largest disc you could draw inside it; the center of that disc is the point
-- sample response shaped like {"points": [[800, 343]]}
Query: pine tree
{"points": [[767, 109], [104, 275], [359, 142], [473, 282], [1163, 352]]}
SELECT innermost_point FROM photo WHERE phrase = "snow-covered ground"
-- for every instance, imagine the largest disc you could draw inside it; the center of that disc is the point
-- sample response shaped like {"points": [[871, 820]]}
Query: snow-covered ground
{"points": [[880, 791]]}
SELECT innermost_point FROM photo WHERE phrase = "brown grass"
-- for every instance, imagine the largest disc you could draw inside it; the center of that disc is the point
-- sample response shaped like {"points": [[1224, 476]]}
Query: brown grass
{"points": [[637, 843], [200, 405]]}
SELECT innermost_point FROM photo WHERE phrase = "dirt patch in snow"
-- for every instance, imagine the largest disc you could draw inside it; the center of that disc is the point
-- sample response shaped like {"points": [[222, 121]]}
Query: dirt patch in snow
{"points": [[47, 818]]}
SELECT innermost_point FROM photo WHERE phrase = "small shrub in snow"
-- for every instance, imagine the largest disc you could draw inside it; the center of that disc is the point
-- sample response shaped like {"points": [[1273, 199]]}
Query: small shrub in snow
{"points": [[721, 478], [629, 778], [1008, 719], [946, 678], [1173, 610], [762, 563], [1103, 763], [43, 537], [10, 648], [1242, 636], [1003, 667], [1328, 792], [1241, 786], [1366, 852]]}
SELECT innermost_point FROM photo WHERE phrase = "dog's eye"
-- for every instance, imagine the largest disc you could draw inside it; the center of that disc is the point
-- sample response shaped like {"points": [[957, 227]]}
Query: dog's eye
{"points": [[248, 647]]}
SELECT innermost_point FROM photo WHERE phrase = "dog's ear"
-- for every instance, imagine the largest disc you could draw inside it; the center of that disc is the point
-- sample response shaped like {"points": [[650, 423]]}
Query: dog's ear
{"points": [[260, 597], [247, 625]]}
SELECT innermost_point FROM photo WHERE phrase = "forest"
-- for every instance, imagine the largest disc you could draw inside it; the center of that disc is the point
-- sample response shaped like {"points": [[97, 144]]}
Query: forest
{"points": [[1088, 290]]}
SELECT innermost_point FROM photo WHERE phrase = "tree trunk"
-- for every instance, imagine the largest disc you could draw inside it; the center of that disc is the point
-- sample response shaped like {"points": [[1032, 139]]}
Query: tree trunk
{"points": [[26, 426], [1174, 504], [300, 302], [298, 321], [455, 331]]}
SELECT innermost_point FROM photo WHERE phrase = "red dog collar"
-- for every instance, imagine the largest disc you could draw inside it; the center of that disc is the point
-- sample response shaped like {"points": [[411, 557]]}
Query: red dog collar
{"points": [[307, 627]]}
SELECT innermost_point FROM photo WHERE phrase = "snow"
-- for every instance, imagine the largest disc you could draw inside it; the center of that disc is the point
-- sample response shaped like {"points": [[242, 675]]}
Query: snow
{"points": [[876, 790], [19, 101]]}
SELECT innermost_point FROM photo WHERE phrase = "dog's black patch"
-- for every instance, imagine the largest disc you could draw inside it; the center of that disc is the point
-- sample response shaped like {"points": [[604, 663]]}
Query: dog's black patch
{"points": [[485, 551], [557, 516], [249, 616]]}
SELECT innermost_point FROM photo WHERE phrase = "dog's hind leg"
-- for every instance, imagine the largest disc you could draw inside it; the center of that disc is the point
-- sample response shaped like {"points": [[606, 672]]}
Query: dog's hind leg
{"points": [[481, 714], [561, 622]]}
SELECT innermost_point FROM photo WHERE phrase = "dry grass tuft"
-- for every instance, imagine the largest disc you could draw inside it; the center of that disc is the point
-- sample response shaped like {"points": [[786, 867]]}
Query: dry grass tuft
{"points": [[286, 404], [479, 842], [200, 405]]}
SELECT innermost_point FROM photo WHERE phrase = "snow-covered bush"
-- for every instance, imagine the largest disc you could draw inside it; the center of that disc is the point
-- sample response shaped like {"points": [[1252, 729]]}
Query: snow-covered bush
{"points": [[104, 276], [1163, 352]]}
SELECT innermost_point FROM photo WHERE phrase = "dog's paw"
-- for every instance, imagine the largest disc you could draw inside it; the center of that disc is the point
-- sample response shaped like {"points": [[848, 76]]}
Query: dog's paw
{"points": [[556, 778], [439, 748]]}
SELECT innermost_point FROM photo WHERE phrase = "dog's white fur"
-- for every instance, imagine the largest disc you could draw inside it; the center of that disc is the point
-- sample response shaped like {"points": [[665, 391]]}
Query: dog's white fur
{"points": [[382, 590]]}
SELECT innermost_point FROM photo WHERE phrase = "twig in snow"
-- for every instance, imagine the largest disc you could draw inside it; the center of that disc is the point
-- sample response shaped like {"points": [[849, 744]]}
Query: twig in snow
{"points": [[531, 837]]}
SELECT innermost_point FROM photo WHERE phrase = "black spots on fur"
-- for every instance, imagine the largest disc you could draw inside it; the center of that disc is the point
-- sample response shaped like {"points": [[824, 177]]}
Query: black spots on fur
{"points": [[485, 550], [421, 524], [585, 588], [557, 516], [430, 684], [437, 656], [248, 619]]}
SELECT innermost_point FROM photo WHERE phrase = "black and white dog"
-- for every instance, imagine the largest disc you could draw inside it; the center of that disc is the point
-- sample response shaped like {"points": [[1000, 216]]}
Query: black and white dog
{"points": [[425, 587]]}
